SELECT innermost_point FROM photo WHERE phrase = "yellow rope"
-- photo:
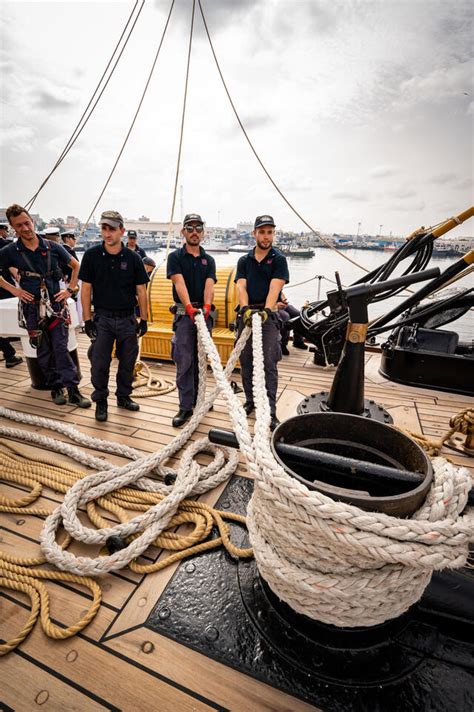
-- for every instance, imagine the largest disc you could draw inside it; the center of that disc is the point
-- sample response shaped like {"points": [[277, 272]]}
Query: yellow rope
{"points": [[463, 422], [22, 574]]}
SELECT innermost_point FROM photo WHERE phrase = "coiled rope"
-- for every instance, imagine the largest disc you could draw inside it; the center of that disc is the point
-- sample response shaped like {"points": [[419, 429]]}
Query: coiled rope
{"points": [[333, 561]]}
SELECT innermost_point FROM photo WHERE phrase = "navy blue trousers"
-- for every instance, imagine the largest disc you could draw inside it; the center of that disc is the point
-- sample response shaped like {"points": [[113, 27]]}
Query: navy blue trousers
{"points": [[123, 331], [54, 359], [271, 336], [289, 312], [184, 354]]}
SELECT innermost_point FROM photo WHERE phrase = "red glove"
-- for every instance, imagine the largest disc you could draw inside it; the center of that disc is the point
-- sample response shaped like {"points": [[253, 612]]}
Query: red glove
{"points": [[206, 310], [191, 311]]}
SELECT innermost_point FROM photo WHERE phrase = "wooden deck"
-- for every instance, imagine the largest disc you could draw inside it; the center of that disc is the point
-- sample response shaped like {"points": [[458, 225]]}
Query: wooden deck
{"points": [[111, 664]]}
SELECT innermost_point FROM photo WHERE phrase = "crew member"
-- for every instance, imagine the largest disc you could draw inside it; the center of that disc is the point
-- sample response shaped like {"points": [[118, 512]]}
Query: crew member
{"points": [[113, 278], [261, 275], [193, 273], [43, 304], [69, 242], [9, 353], [52, 234], [150, 265], [133, 245]]}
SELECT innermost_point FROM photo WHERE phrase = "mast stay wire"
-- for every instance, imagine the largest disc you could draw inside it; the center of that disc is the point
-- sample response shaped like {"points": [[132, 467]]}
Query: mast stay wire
{"points": [[262, 165], [78, 128], [183, 114], [147, 83]]}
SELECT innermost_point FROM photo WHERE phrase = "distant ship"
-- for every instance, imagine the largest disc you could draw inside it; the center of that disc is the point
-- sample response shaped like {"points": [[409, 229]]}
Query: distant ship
{"points": [[296, 251]]}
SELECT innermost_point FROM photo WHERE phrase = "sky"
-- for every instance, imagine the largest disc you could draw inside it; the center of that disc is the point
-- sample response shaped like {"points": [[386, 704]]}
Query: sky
{"points": [[362, 111]]}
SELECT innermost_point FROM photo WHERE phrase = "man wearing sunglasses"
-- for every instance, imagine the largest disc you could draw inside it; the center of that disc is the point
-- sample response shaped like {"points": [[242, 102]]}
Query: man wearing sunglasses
{"points": [[133, 245], [261, 275], [193, 274]]}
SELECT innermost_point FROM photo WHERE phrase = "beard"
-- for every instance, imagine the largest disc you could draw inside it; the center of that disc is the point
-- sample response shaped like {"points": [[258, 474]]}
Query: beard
{"points": [[264, 244]]}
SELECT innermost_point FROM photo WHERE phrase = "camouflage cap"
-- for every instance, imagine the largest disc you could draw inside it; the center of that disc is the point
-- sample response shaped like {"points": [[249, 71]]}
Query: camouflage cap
{"points": [[111, 218]]}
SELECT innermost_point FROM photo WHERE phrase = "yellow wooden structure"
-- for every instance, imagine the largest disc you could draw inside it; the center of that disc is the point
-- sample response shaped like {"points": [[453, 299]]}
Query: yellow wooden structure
{"points": [[157, 341]]}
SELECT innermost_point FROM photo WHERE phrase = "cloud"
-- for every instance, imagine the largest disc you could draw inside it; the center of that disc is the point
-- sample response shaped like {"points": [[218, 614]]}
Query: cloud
{"points": [[443, 83], [382, 172], [409, 207], [443, 178], [17, 138], [349, 195], [46, 100]]}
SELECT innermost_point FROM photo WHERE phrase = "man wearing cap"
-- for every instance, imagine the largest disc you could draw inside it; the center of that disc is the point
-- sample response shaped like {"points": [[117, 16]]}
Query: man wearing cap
{"points": [[43, 303], [52, 234], [9, 353], [149, 264], [113, 278], [261, 275], [132, 244], [193, 273]]}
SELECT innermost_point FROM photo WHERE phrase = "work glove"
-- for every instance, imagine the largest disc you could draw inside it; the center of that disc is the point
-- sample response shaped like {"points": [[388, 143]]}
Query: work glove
{"points": [[192, 311], [246, 313], [142, 328], [91, 329], [206, 310], [265, 313]]}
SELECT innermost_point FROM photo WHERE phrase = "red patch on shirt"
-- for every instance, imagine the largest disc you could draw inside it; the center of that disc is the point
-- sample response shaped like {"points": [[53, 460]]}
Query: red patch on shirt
{"points": [[203, 261], [269, 262]]}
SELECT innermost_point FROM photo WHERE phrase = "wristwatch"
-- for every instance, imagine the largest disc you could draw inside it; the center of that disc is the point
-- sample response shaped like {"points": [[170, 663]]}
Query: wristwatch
{"points": [[72, 291]]}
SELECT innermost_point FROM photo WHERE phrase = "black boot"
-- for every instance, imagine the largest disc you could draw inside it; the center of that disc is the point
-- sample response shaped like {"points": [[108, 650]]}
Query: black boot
{"points": [[13, 361], [101, 410], [284, 350], [75, 397], [127, 403], [298, 343], [181, 417], [57, 394], [249, 407], [274, 422]]}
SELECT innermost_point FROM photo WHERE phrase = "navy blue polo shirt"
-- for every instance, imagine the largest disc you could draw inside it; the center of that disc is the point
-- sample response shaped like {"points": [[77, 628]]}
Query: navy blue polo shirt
{"points": [[195, 271], [11, 256], [260, 274], [68, 270], [114, 278], [139, 250]]}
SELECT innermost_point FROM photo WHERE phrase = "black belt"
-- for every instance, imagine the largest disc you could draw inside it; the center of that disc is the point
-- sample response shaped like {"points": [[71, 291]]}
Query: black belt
{"points": [[115, 313]]}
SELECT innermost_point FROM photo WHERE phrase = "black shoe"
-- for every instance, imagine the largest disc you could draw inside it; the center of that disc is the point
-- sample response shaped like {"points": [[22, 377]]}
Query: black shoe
{"points": [[284, 350], [249, 407], [13, 361], [274, 422], [181, 417], [57, 394], [75, 397], [299, 344], [127, 403], [101, 410]]}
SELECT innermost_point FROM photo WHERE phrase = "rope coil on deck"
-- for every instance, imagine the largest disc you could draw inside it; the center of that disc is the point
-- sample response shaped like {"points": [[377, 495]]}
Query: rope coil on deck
{"points": [[333, 561]]}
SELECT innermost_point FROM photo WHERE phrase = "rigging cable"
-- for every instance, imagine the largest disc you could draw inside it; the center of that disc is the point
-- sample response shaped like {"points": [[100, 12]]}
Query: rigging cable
{"points": [[77, 131], [150, 74], [183, 114], [279, 191]]}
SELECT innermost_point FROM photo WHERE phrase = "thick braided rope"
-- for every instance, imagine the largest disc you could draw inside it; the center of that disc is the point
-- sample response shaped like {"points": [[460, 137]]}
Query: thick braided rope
{"points": [[341, 565], [146, 384], [143, 529]]}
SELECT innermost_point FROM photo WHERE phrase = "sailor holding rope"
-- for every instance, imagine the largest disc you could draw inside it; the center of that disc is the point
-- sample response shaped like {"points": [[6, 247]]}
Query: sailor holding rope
{"points": [[261, 275], [42, 308]]}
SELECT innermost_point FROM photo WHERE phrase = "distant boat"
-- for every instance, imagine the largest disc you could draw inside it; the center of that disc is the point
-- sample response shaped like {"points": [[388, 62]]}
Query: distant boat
{"points": [[296, 251], [215, 246]]}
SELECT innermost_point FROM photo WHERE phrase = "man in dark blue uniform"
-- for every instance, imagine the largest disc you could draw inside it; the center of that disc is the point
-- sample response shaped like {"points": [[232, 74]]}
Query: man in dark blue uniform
{"points": [[261, 275], [193, 273], [133, 245], [69, 242], [113, 278], [40, 264], [9, 353]]}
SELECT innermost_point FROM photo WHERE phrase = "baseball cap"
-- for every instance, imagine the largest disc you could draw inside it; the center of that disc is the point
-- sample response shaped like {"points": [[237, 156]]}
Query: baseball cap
{"points": [[111, 218], [263, 220], [51, 231], [192, 217], [132, 233], [148, 261]]}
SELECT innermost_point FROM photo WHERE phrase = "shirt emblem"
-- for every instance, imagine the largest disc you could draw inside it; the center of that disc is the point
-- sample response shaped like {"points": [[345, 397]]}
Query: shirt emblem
{"points": [[203, 261], [269, 262], [123, 265]]}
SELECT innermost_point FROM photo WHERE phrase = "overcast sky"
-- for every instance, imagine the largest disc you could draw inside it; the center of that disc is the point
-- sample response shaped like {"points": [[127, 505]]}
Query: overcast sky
{"points": [[362, 111]]}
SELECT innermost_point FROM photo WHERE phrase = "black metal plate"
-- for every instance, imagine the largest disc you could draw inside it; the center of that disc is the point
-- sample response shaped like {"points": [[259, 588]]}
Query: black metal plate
{"points": [[221, 608]]}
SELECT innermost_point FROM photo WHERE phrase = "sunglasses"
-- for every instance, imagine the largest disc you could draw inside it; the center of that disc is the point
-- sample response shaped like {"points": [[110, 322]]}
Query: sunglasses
{"points": [[194, 228]]}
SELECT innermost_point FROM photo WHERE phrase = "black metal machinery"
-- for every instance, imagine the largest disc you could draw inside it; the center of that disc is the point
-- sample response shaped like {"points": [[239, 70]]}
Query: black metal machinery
{"points": [[347, 391]]}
